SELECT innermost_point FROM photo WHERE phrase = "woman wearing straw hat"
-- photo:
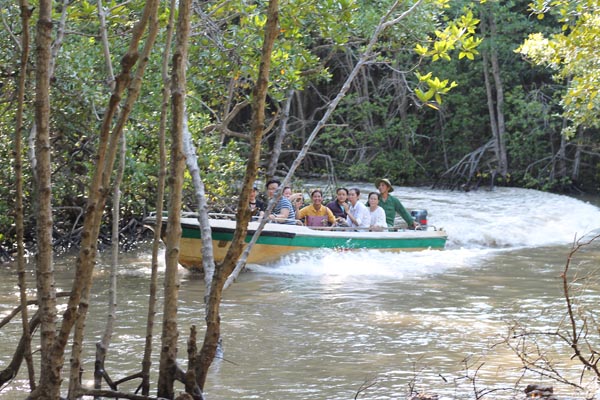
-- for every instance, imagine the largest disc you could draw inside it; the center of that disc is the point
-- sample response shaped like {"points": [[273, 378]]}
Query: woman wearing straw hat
{"points": [[391, 205]]}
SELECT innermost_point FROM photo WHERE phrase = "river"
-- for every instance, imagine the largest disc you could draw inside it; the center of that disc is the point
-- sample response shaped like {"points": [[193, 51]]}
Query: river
{"points": [[323, 324]]}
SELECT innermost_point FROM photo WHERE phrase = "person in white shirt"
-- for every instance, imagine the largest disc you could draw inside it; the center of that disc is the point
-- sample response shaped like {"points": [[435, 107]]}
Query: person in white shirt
{"points": [[377, 213], [358, 213]]}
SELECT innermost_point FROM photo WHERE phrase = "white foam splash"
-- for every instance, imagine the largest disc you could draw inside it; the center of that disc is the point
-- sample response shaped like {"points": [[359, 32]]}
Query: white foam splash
{"points": [[372, 263], [479, 224], [506, 217]]}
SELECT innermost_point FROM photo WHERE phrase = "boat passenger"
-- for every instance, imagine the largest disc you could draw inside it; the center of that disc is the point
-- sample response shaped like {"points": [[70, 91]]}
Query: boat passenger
{"points": [[257, 207], [283, 212], [392, 205], [358, 213], [316, 214], [377, 213], [337, 206], [295, 198]]}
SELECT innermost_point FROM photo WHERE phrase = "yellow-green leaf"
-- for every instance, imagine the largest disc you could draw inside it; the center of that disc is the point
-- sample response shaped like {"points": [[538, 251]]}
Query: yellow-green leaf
{"points": [[420, 50]]}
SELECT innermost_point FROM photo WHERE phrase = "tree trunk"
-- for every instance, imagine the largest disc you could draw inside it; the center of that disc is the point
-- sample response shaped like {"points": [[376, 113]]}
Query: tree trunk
{"points": [[222, 271], [577, 157], [495, 93], [502, 156], [561, 156], [280, 136], [12, 368], [55, 343], [166, 94], [103, 345], [51, 362], [168, 355], [208, 263], [404, 102], [19, 218], [108, 149], [105, 47]]}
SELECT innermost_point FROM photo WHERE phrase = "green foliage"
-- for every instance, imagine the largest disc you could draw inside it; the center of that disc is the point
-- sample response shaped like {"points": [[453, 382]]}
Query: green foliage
{"points": [[229, 58], [457, 34], [573, 54], [545, 183], [371, 141], [399, 166], [7, 187], [436, 88], [221, 168], [533, 129], [9, 75], [463, 122], [380, 133], [359, 171]]}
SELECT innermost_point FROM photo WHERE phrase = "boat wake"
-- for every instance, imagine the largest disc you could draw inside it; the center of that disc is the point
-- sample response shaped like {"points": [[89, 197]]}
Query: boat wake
{"points": [[373, 263], [480, 225], [506, 217]]}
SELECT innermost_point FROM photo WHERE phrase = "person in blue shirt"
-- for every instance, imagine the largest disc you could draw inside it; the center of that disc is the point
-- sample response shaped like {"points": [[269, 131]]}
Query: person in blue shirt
{"points": [[283, 212]]}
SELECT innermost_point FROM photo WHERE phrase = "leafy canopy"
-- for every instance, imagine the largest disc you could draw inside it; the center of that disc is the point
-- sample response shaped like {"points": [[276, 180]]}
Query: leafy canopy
{"points": [[574, 55], [459, 35]]}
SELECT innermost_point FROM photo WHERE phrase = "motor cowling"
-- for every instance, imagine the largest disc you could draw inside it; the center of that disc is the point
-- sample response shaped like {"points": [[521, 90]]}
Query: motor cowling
{"points": [[420, 217]]}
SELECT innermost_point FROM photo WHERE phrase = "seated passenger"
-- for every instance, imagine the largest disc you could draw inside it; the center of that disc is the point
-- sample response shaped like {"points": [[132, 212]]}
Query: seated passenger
{"points": [[256, 206], [295, 198], [316, 214], [377, 213], [337, 206], [283, 212], [358, 213]]}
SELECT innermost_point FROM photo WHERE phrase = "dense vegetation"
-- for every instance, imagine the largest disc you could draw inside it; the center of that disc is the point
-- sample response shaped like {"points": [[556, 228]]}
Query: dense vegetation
{"points": [[384, 126], [430, 92]]}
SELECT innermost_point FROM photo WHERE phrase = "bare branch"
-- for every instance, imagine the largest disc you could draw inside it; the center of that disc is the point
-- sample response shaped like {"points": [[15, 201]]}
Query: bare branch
{"points": [[365, 385]]}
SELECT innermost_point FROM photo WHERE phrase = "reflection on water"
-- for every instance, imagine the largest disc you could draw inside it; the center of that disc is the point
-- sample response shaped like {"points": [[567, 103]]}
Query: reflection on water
{"points": [[321, 324]]}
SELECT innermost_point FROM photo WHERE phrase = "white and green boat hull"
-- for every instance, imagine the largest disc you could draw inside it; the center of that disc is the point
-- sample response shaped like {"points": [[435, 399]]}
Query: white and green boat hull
{"points": [[277, 240]]}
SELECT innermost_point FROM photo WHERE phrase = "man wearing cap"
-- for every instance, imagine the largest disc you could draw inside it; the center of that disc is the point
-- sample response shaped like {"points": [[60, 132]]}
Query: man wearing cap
{"points": [[391, 205]]}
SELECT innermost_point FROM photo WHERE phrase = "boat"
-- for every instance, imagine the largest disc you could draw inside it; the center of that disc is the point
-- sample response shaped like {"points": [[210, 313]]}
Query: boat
{"points": [[278, 240]]}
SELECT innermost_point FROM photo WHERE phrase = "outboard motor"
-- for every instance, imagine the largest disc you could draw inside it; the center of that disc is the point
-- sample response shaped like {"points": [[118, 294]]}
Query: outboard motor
{"points": [[420, 217]]}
